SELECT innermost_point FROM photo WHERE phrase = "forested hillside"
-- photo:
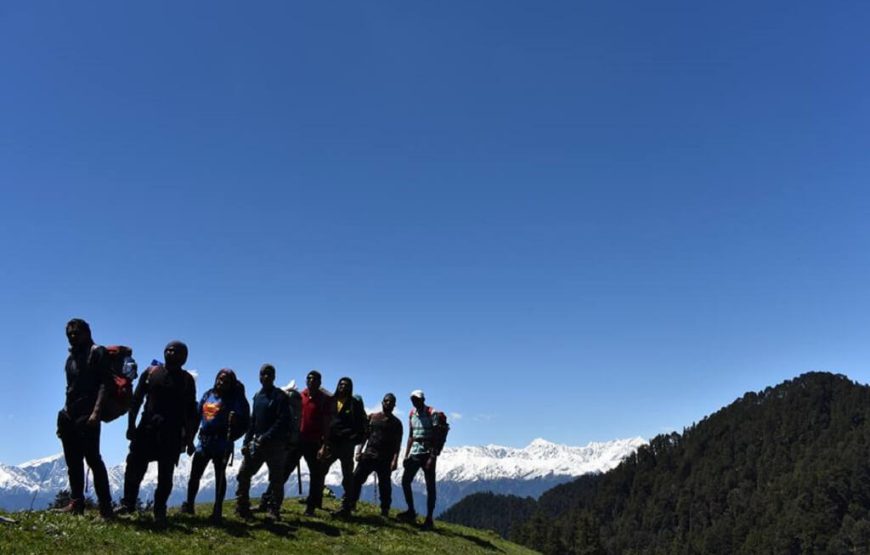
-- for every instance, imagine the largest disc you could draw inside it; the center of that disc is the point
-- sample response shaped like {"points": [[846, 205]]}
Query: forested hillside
{"points": [[784, 470]]}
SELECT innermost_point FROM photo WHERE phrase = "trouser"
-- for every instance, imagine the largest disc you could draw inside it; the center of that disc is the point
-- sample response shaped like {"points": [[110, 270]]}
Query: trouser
{"points": [[82, 444], [412, 464], [308, 451], [294, 453], [273, 454], [385, 487], [137, 465], [341, 451], [197, 468]]}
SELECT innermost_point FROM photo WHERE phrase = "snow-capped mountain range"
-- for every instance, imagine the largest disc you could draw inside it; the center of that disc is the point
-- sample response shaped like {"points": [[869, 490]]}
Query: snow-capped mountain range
{"points": [[527, 471]]}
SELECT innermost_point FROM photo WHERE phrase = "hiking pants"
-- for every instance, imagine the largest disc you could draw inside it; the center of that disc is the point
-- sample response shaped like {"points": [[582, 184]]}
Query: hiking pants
{"points": [[308, 451], [82, 444], [412, 465], [294, 453], [341, 451], [197, 468], [273, 454], [137, 464], [385, 486]]}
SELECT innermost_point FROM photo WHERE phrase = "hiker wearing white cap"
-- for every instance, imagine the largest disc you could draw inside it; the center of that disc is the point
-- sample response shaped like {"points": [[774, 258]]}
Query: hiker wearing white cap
{"points": [[426, 434]]}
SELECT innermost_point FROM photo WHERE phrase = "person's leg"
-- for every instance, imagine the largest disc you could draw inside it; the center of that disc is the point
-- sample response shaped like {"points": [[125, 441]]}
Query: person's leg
{"points": [[133, 474], [317, 470], [276, 456], [250, 466], [345, 457], [220, 486], [91, 444], [197, 467], [73, 454], [385, 486], [429, 476], [165, 469], [358, 478], [412, 465]]}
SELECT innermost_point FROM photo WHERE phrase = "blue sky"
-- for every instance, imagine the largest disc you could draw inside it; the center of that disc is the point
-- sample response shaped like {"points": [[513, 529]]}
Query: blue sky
{"points": [[572, 220]]}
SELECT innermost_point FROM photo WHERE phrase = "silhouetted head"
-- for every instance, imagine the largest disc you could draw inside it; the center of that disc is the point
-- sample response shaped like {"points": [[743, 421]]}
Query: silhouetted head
{"points": [[388, 403], [313, 381], [224, 381], [344, 389], [418, 399], [78, 333], [175, 354], [267, 375]]}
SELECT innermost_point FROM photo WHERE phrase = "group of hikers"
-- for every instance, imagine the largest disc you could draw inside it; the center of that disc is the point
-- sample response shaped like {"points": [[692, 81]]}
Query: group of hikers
{"points": [[278, 428]]}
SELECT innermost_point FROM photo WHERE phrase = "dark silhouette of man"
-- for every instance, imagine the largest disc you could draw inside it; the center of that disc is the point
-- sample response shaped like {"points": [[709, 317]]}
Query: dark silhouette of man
{"points": [[168, 425], [78, 423]]}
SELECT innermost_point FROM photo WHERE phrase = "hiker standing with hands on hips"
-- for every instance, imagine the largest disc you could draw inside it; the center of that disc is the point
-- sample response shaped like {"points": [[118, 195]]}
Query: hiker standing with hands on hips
{"points": [[78, 423], [427, 431], [168, 425]]}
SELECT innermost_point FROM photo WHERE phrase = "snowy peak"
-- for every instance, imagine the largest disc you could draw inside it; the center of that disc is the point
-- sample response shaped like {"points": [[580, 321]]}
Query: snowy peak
{"points": [[460, 471]]}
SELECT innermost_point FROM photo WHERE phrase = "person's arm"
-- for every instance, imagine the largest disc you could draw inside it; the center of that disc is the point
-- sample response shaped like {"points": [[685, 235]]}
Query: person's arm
{"points": [[249, 435], [410, 439], [138, 397], [101, 363], [397, 445], [192, 417], [366, 435]]}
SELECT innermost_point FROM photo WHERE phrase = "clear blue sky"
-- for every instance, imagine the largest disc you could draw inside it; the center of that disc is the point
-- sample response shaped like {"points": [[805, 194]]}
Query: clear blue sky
{"points": [[575, 220]]}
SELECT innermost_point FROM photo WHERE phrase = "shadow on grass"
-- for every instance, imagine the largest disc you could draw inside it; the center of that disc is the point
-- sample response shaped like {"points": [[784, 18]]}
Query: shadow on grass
{"points": [[187, 524], [322, 527], [479, 542]]}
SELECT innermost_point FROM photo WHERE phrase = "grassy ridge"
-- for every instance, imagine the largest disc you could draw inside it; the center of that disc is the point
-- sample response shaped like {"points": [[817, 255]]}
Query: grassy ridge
{"points": [[366, 532]]}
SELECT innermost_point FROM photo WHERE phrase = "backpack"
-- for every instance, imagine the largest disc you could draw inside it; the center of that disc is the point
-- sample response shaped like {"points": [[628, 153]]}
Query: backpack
{"points": [[123, 369], [241, 421], [440, 428]]}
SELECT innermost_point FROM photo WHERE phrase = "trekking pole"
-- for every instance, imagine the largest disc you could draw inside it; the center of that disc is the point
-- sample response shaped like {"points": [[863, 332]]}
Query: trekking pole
{"points": [[299, 476], [375, 487], [230, 435]]}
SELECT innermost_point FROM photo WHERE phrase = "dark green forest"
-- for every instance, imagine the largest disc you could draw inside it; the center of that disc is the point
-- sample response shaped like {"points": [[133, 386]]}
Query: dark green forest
{"points": [[784, 470]]}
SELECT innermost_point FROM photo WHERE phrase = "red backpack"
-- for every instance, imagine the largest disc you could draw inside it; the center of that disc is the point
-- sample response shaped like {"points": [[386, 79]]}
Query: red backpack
{"points": [[123, 369]]}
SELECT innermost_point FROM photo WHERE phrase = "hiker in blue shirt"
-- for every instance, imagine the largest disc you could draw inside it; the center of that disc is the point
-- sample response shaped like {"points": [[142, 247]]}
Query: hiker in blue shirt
{"points": [[265, 442], [225, 415]]}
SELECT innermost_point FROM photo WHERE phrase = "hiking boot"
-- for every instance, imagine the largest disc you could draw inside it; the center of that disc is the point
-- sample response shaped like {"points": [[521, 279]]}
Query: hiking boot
{"points": [[106, 512], [407, 516], [124, 510], [160, 521], [309, 511], [187, 508], [385, 512], [74, 507], [341, 513], [428, 525], [244, 512], [216, 519], [274, 513]]}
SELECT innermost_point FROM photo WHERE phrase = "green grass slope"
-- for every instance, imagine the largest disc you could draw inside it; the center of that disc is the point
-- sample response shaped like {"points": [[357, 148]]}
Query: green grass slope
{"points": [[365, 532]]}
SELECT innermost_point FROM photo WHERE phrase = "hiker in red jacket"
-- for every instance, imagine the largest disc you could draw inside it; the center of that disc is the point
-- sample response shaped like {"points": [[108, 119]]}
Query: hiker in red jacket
{"points": [[316, 416], [78, 422]]}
